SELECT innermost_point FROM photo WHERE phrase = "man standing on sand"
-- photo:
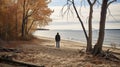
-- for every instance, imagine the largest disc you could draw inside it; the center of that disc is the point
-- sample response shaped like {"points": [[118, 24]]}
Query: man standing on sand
{"points": [[57, 39]]}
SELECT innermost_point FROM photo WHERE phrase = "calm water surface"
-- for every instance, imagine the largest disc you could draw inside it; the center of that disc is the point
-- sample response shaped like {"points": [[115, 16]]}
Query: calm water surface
{"points": [[111, 36]]}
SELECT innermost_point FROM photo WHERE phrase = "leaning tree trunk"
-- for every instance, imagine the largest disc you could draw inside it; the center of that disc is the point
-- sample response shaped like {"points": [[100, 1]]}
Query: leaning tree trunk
{"points": [[80, 20], [98, 46], [88, 38]]}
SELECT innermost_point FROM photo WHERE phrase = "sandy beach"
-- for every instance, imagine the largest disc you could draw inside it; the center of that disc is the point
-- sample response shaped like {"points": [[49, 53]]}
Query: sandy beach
{"points": [[42, 51]]}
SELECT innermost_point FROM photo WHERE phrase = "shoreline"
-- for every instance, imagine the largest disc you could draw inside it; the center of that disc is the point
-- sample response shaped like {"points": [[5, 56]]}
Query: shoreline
{"points": [[62, 42], [65, 44], [82, 43], [42, 50]]}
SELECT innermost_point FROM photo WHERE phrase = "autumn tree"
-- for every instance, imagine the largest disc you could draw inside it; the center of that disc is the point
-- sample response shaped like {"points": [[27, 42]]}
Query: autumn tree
{"points": [[34, 10], [6, 19], [21, 17]]}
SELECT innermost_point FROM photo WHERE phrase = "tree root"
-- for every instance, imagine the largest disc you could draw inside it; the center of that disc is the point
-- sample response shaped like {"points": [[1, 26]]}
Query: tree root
{"points": [[108, 55]]}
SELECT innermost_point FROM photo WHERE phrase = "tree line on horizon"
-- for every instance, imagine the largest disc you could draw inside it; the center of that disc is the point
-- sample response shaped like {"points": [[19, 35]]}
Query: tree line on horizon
{"points": [[19, 18]]}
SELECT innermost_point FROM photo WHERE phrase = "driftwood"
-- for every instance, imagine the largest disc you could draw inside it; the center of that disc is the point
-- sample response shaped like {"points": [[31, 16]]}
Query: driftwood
{"points": [[8, 59], [110, 56], [9, 50], [16, 63]]}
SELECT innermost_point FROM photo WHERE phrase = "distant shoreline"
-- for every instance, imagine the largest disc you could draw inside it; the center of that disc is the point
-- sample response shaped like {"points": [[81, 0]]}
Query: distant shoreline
{"points": [[42, 29], [112, 29], [81, 29], [69, 29]]}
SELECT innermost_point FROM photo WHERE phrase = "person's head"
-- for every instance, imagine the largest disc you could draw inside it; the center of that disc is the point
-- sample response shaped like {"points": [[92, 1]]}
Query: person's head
{"points": [[57, 33]]}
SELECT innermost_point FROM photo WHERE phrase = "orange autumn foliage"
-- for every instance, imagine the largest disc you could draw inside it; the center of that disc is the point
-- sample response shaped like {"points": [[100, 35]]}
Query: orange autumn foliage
{"points": [[36, 14]]}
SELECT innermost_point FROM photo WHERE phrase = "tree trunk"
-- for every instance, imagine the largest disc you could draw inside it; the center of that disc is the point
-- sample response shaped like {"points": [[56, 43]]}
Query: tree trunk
{"points": [[23, 29], [23, 20], [89, 41], [16, 24], [98, 46], [26, 20]]}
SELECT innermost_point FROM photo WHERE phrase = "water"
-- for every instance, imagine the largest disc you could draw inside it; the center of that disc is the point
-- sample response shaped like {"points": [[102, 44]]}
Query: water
{"points": [[111, 36]]}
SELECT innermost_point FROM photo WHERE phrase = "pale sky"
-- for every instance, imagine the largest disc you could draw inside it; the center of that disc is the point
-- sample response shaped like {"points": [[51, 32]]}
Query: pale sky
{"points": [[71, 22]]}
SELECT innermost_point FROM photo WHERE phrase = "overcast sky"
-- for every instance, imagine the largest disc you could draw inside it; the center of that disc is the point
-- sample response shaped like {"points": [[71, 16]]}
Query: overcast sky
{"points": [[70, 22]]}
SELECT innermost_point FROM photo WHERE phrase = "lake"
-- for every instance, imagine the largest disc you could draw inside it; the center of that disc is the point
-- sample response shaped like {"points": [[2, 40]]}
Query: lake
{"points": [[111, 35]]}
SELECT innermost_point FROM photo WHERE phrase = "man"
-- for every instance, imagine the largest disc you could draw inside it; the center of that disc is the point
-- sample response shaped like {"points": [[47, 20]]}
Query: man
{"points": [[57, 39]]}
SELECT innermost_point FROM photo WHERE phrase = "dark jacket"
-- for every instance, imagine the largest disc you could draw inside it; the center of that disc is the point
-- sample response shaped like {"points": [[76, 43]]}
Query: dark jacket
{"points": [[57, 37]]}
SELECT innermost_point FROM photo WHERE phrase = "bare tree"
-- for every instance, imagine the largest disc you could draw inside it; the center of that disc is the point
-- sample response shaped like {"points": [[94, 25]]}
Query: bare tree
{"points": [[89, 35], [79, 19], [98, 46]]}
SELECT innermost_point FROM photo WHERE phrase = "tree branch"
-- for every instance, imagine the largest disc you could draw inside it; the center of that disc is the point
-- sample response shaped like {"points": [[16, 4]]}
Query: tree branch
{"points": [[80, 20], [68, 4], [30, 26], [110, 14], [94, 2], [89, 2], [110, 2]]}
